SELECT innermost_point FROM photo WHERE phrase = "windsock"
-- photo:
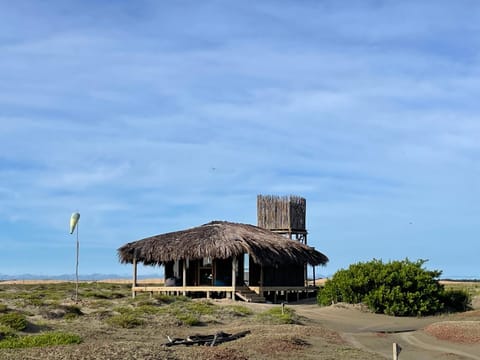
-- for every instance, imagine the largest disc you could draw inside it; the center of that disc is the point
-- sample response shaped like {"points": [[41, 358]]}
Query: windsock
{"points": [[73, 221]]}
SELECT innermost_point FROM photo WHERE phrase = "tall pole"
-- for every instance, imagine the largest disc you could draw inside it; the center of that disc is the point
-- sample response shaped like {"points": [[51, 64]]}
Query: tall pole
{"points": [[76, 268], [74, 224]]}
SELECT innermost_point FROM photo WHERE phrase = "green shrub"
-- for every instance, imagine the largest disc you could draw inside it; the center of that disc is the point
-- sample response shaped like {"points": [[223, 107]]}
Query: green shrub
{"points": [[198, 307], [401, 288], [275, 316], [238, 310], [54, 311], [31, 298], [456, 300], [168, 299], [3, 308], [126, 320], [123, 309], [102, 294], [15, 321], [189, 312], [6, 332], [147, 310], [46, 339], [188, 319]]}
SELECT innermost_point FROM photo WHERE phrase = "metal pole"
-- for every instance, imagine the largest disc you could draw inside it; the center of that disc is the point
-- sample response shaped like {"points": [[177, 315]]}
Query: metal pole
{"points": [[76, 267]]}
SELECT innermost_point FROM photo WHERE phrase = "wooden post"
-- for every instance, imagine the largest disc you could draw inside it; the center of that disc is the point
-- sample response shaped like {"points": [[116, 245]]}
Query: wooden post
{"points": [[261, 277], [234, 276], [134, 280], [184, 268], [313, 275], [396, 351], [261, 281], [305, 276]]}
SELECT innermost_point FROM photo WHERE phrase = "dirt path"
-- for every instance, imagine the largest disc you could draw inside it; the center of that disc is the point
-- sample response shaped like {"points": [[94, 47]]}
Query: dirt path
{"points": [[376, 333]]}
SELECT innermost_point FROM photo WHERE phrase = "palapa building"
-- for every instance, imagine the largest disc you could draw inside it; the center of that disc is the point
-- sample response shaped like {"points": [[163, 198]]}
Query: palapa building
{"points": [[230, 259]]}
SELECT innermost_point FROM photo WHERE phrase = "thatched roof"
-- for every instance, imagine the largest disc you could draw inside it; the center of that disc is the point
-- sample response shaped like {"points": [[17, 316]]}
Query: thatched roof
{"points": [[220, 240]]}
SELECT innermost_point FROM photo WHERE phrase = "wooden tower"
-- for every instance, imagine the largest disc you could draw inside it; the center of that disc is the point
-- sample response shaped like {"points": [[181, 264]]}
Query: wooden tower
{"points": [[284, 215]]}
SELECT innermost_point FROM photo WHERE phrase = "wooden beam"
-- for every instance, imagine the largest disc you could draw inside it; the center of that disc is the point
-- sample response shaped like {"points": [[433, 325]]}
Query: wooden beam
{"points": [[305, 275], [257, 289], [178, 289], [313, 275], [134, 280], [260, 283], [234, 276], [184, 268], [260, 290], [214, 271]]}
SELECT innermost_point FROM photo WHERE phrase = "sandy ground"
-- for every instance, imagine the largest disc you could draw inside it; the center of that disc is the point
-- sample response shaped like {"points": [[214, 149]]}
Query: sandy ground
{"points": [[377, 333], [340, 331]]}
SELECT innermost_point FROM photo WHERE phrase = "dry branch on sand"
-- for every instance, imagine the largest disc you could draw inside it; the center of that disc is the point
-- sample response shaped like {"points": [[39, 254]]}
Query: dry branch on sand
{"points": [[207, 340]]}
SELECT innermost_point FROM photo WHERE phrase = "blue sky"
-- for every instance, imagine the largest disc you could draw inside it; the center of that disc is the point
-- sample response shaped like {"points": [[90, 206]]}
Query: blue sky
{"points": [[149, 117]]}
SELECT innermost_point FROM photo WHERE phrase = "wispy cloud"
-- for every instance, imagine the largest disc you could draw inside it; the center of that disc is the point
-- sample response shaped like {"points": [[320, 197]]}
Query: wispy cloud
{"points": [[150, 118]]}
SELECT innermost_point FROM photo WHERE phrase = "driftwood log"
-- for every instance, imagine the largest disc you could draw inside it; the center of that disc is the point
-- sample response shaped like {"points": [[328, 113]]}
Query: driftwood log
{"points": [[206, 340]]}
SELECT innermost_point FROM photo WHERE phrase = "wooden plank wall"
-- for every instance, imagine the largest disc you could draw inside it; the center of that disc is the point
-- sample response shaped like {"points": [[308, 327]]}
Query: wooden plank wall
{"points": [[281, 212]]}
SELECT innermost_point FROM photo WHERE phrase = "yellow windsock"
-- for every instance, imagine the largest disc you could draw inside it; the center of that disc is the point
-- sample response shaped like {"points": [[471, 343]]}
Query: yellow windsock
{"points": [[73, 221]]}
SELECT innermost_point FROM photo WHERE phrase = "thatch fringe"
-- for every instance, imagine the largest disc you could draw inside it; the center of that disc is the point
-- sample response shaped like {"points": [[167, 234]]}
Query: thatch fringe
{"points": [[220, 240]]}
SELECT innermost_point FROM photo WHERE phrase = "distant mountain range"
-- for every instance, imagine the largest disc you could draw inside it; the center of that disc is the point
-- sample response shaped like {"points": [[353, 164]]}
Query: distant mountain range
{"points": [[72, 276]]}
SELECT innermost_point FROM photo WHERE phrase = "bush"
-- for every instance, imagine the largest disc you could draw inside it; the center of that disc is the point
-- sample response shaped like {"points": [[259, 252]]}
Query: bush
{"points": [[188, 319], [168, 299], [14, 321], [46, 339], [198, 307], [190, 312], [456, 300], [401, 288], [275, 316], [6, 332], [237, 310], [125, 320]]}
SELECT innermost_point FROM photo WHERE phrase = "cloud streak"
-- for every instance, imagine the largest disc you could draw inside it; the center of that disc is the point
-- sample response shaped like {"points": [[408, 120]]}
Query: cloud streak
{"points": [[150, 118]]}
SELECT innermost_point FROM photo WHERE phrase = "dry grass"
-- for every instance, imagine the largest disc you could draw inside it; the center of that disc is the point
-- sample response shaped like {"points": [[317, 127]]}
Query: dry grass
{"points": [[47, 306], [158, 317]]}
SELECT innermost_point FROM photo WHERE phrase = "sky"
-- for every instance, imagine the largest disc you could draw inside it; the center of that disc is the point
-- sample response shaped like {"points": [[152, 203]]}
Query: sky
{"points": [[149, 117]]}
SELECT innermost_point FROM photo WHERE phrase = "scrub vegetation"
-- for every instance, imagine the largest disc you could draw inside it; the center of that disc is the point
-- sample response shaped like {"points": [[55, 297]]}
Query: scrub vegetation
{"points": [[400, 288]]}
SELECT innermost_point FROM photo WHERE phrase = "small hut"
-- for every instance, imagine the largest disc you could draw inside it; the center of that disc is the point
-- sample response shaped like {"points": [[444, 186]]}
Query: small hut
{"points": [[214, 258]]}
